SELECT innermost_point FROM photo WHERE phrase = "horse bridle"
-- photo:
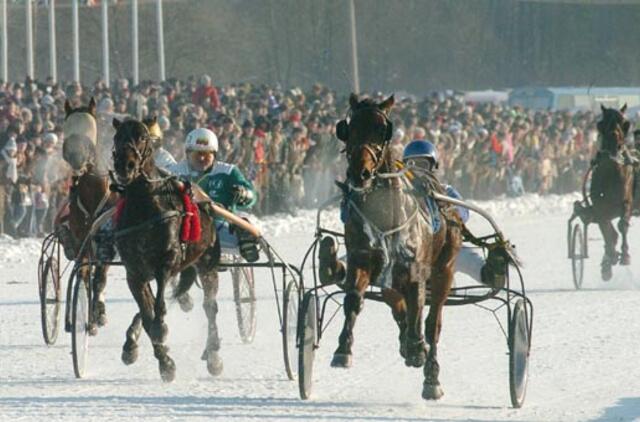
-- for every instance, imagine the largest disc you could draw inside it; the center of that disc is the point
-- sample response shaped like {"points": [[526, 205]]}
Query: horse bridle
{"points": [[142, 156]]}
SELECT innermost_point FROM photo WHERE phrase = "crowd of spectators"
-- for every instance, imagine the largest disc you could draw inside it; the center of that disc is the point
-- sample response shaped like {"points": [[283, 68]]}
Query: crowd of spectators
{"points": [[283, 140]]}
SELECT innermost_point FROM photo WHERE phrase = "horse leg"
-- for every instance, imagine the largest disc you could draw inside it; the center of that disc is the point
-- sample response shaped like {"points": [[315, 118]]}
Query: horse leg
{"points": [[396, 302], [99, 283], [159, 329], [130, 347], [440, 286], [610, 239], [623, 228], [85, 274], [415, 345], [625, 218], [144, 297], [187, 277], [210, 305], [353, 301]]}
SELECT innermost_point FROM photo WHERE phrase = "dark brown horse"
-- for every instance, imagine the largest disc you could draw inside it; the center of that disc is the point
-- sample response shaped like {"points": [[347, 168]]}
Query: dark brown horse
{"points": [[89, 196], [389, 236], [612, 188], [148, 239]]}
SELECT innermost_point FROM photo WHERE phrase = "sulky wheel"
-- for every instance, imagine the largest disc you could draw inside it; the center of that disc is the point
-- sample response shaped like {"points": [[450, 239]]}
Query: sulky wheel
{"points": [[519, 347], [49, 289], [290, 326], [578, 248], [307, 333], [244, 296], [80, 322]]}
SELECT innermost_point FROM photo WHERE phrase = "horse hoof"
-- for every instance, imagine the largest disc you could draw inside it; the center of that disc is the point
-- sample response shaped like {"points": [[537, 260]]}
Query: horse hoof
{"points": [[416, 360], [93, 329], [101, 319], [167, 369], [214, 364], [626, 260], [432, 391], [607, 274], [101, 314], [158, 332], [129, 356], [185, 302], [341, 360]]}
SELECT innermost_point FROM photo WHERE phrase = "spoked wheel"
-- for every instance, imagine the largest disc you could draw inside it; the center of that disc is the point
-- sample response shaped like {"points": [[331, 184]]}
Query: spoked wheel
{"points": [[519, 347], [80, 325], [244, 296], [49, 286], [578, 243], [308, 325], [289, 327]]}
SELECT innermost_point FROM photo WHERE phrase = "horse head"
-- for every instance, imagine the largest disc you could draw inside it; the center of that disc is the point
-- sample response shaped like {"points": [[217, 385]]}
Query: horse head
{"points": [[613, 128], [366, 135], [80, 136], [132, 150]]}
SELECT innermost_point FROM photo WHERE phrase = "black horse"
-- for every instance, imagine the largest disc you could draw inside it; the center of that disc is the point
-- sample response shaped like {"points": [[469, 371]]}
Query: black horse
{"points": [[148, 237]]}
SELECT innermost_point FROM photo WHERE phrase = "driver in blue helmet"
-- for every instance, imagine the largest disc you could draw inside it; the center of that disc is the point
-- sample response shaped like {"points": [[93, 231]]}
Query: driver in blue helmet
{"points": [[422, 155]]}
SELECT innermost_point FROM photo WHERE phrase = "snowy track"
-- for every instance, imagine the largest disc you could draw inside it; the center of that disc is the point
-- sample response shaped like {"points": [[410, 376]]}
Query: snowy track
{"points": [[584, 359]]}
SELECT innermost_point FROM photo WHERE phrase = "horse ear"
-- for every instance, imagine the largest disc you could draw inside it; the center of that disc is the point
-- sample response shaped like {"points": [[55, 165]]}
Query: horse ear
{"points": [[602, 108], [624, 108], [388, 103], [353, 100], [625, 127], [92, 107], [116, 123], [67, 108], [154, 119]]}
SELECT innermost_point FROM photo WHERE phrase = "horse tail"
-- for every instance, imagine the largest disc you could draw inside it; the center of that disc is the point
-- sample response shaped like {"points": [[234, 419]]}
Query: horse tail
{"points": [[187, 278]]}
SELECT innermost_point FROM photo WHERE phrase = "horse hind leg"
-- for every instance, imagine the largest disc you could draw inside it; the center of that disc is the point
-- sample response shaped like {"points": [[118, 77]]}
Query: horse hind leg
{"points": [[130, 347], [181, 290], [210, 305]]}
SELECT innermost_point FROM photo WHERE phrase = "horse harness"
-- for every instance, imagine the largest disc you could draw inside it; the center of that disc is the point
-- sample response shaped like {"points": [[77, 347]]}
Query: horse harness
{"points": [[391, 242], [75, 197]]}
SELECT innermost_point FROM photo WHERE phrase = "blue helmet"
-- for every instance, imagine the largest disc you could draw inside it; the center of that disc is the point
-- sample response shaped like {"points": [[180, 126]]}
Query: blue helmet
{"points": [[420, 149]]}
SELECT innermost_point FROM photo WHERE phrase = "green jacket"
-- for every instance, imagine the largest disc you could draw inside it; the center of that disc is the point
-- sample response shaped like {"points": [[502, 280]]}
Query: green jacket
{"points": [[218, 183]]}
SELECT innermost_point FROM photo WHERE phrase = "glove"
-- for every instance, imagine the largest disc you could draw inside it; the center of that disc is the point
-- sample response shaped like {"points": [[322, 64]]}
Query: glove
{"points": [[241, 195]]}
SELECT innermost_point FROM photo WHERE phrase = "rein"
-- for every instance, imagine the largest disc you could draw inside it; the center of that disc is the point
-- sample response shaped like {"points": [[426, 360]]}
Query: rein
{"points": [[167, 215]]}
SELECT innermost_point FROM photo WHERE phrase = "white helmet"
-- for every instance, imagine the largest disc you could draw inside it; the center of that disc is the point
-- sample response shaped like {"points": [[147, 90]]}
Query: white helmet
{"points": [[201, 139]]}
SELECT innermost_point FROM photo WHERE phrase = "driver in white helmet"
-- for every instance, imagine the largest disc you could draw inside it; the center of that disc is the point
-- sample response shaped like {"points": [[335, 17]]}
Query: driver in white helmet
{"points": [[224, 183]]}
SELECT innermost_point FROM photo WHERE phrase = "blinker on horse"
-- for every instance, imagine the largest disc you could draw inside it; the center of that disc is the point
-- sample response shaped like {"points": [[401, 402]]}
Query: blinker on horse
{"points": [[390, 241]]}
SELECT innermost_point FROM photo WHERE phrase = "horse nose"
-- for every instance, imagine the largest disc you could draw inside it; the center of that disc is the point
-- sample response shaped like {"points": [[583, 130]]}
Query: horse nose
{"points": [[365, 174]]}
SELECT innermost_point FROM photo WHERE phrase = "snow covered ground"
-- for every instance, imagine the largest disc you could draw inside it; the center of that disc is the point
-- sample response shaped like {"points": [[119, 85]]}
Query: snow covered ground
{"points": [[584, 359]]}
